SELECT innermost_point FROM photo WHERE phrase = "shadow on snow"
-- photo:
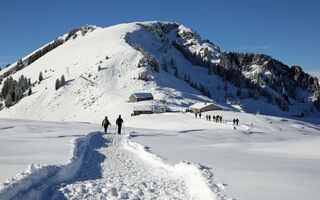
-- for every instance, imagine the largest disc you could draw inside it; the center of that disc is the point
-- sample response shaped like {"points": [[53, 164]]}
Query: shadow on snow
{"points": [[90, 169]]}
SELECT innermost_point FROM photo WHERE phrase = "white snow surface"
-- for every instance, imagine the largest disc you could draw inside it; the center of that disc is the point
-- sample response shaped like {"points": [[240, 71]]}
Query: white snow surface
{"points": [[271, 160], [109, 166], [166, 156]]}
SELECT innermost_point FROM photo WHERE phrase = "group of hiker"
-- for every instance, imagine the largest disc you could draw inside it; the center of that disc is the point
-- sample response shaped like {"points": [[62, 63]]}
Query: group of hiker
{"points": [[218, 118], [106, 123]]}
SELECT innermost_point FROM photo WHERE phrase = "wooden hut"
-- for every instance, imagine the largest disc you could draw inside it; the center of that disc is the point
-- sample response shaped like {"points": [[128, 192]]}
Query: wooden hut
{"points": [[203, 107], [136, 97]]}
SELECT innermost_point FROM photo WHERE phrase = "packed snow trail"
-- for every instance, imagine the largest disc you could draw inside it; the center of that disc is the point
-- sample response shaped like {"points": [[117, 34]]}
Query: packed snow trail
{"points": [[130, 172], [113, 167]]}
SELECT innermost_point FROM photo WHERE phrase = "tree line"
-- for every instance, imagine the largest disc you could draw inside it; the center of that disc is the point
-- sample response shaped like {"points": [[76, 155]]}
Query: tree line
{"points": [[13, 90]]}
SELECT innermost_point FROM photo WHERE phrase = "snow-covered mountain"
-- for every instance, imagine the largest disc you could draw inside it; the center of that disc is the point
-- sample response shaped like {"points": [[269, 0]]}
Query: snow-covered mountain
{"points": [[264, 157], [104, 66]]}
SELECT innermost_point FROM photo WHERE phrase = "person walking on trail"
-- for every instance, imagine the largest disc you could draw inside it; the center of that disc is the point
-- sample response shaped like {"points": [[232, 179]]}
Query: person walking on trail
{"points": [[234, 121], [119, 123], [237, 121], [200, 115], [220, 118], [105, 124], [196, 115]]}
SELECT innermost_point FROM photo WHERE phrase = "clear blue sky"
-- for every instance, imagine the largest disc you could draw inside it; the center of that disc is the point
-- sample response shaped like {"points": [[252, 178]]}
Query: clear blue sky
{"points": [[287, 30]]}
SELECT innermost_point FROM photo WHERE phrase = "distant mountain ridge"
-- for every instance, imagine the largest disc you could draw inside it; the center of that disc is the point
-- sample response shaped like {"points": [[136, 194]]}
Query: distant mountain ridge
{"points": [[259, 74], [165, 58]]}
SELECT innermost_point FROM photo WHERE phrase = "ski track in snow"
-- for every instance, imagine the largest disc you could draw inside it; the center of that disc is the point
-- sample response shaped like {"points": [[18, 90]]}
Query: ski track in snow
{"points": [[107, 166]]}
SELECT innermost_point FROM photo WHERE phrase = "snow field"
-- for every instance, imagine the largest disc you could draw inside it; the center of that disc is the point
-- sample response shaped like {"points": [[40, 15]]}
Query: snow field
{"points": [[198, 179], [273, 160], [40, 181], [40, 142], [112, 167]]}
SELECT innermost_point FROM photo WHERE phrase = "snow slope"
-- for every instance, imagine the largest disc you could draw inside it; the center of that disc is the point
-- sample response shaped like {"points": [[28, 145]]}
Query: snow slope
{"points": [[90, 94]]}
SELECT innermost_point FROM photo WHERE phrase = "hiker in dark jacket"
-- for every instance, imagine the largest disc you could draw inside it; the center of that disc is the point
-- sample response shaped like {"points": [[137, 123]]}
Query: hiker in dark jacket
{"points": [[119, 123], [105, 124], [237, 121]]}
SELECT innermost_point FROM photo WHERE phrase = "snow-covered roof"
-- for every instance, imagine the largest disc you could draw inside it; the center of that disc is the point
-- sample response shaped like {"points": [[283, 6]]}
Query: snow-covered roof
{"points": [[143, 95], [200, 105]]}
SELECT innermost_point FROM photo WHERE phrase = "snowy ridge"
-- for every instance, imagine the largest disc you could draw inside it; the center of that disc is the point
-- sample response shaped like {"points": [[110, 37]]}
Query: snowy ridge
{"points": [[75, 33], [38, 179], [199, 180]]}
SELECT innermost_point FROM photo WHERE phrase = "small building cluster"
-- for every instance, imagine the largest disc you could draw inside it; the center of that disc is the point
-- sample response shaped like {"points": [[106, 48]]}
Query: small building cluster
{"points": [[146, 108], [149, 109], [152, 106]]}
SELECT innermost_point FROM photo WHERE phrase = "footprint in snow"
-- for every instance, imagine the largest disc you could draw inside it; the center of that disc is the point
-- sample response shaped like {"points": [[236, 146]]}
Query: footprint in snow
{"points": [[144, 184], [124, 195], [114, 192], [140, 192]]}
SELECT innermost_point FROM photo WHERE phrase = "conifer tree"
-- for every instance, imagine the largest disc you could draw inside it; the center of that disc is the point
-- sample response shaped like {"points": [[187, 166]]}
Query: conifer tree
{"points": [[8, 102], [164, 66], [225, 88], [176, 73], [62, 80], [239, 92], [210, 71], [40, 77], [57, 86], [5, 88], [17, 93]]}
